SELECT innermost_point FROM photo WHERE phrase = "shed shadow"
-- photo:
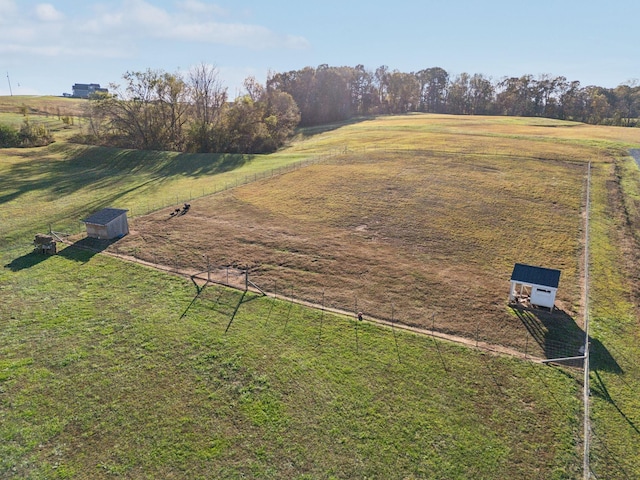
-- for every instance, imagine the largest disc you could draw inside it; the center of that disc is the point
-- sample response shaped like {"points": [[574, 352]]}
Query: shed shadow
{"points": [[81, 250], [559, 336], [84, 249]]}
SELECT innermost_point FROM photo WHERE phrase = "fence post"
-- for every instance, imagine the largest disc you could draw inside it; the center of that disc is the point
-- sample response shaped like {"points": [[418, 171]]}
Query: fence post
{"points": [[208, 268]]}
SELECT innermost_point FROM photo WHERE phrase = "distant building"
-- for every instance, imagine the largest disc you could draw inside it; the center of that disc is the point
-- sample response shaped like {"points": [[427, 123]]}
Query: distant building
{"points": [[85, 90], [107, 224]]}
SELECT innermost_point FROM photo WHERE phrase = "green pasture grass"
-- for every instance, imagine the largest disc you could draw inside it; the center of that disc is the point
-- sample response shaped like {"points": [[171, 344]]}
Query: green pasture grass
{"points": [[111, 369], [56, 126], [96, 370], [615, 376], [481, 135], [47, 111], [63, 183]]}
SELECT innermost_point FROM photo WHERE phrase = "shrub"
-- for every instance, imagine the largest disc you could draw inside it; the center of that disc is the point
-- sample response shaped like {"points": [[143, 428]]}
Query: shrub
{"points": [[8, 136], [34, 135]]}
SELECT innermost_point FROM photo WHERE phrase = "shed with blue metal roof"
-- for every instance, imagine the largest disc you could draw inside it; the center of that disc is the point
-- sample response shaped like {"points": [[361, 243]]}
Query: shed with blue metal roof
{"points": [[534, 285]]}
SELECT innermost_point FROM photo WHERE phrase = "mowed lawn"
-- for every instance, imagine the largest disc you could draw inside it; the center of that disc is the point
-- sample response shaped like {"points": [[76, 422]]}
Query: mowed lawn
{"points": [[110, 369]]}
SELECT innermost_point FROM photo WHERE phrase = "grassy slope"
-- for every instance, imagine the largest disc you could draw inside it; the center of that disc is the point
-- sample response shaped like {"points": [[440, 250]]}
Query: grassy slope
{"points": [[141, 390], [435, 205], [109, 369]]}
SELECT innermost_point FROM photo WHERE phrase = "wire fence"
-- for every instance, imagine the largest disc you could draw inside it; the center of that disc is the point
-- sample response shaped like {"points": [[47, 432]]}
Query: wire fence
{"points": [[541, 334], [531, 333], [537, 333]]}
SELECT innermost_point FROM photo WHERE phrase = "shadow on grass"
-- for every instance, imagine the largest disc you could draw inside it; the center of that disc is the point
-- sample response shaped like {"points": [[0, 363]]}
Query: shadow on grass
{"points": [[84, 249], [81, 251], [99, 167], [26, 261], [599, 388], [558, 335], [225, 300]]}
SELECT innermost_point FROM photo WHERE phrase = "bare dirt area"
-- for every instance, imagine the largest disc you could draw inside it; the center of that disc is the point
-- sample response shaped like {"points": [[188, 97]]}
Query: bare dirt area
{"points": [[429, 241]]}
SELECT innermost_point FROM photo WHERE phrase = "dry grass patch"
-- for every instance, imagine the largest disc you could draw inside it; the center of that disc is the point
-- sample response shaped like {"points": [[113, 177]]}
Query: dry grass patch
{"points": [[427, 238]]}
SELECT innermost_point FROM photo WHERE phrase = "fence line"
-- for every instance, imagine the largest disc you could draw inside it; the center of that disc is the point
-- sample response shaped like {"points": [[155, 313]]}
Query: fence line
{"points": [[386, 311], [528, 345]]}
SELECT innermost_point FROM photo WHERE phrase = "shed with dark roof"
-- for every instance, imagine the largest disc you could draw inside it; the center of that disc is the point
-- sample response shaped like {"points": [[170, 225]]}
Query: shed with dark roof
{"points": [[536, 285], [108, 223]]}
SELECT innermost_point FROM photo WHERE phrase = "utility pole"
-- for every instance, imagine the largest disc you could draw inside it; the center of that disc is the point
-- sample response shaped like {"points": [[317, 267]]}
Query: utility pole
{"points": [[8, 80]]}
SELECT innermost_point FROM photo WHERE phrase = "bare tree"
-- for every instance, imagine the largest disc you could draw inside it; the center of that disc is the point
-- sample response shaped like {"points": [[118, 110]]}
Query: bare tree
{"points": [[208, 98]]}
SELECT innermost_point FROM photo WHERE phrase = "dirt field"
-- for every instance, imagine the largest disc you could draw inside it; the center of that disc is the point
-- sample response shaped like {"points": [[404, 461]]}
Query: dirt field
{"points": [[421, 239]]}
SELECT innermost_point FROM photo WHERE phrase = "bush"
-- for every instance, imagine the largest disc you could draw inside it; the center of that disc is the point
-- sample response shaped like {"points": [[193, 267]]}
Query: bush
{"points": [[8, 136], [34, 135]]}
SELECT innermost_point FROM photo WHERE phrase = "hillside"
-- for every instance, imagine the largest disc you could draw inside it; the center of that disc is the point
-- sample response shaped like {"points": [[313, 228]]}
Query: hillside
{"points": [[113, 369]]}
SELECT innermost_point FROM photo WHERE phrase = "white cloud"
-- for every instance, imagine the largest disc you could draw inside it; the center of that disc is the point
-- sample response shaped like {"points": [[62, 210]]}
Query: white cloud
{"points": [[194, 6], [108, 31], [233, 34], [48, 13]]}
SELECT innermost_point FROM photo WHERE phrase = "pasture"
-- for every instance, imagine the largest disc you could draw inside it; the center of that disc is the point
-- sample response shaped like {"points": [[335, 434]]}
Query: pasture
{"points": [[113, 369], [410, 221]]}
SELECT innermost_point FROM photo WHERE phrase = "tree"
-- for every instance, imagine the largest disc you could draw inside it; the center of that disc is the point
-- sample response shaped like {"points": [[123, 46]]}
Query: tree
{"points": [[572, 102], [482, 95], [403, 92], [516, 97], [362, 90], [301, 85], [381, 77], [459, 95], [627, 105], [259, 121], [433, 87], [207, 98], [599, 108], [149, 114], [282, 116], [172, 106], [332, 101], [8, 136]]}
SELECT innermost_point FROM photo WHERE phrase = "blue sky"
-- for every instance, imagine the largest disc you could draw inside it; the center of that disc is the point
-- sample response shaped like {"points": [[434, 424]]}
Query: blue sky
{"points": [[46, 47]]}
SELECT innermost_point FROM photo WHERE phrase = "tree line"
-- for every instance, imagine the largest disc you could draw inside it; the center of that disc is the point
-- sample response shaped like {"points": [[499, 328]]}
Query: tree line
{"points": [[156, 110], [325, 94]]}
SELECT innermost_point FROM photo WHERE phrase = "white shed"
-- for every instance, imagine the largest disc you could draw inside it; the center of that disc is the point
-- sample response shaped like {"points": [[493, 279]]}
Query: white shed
{"points": [[538, 285], [107, 224]]}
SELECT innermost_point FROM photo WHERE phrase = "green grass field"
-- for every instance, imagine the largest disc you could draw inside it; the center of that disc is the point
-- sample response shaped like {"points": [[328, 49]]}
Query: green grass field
{"points": [[109, 369]]}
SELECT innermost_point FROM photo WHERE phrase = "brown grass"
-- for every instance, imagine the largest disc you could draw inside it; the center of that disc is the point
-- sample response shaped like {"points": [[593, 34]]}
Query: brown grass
{"points": [[428, 238]]}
